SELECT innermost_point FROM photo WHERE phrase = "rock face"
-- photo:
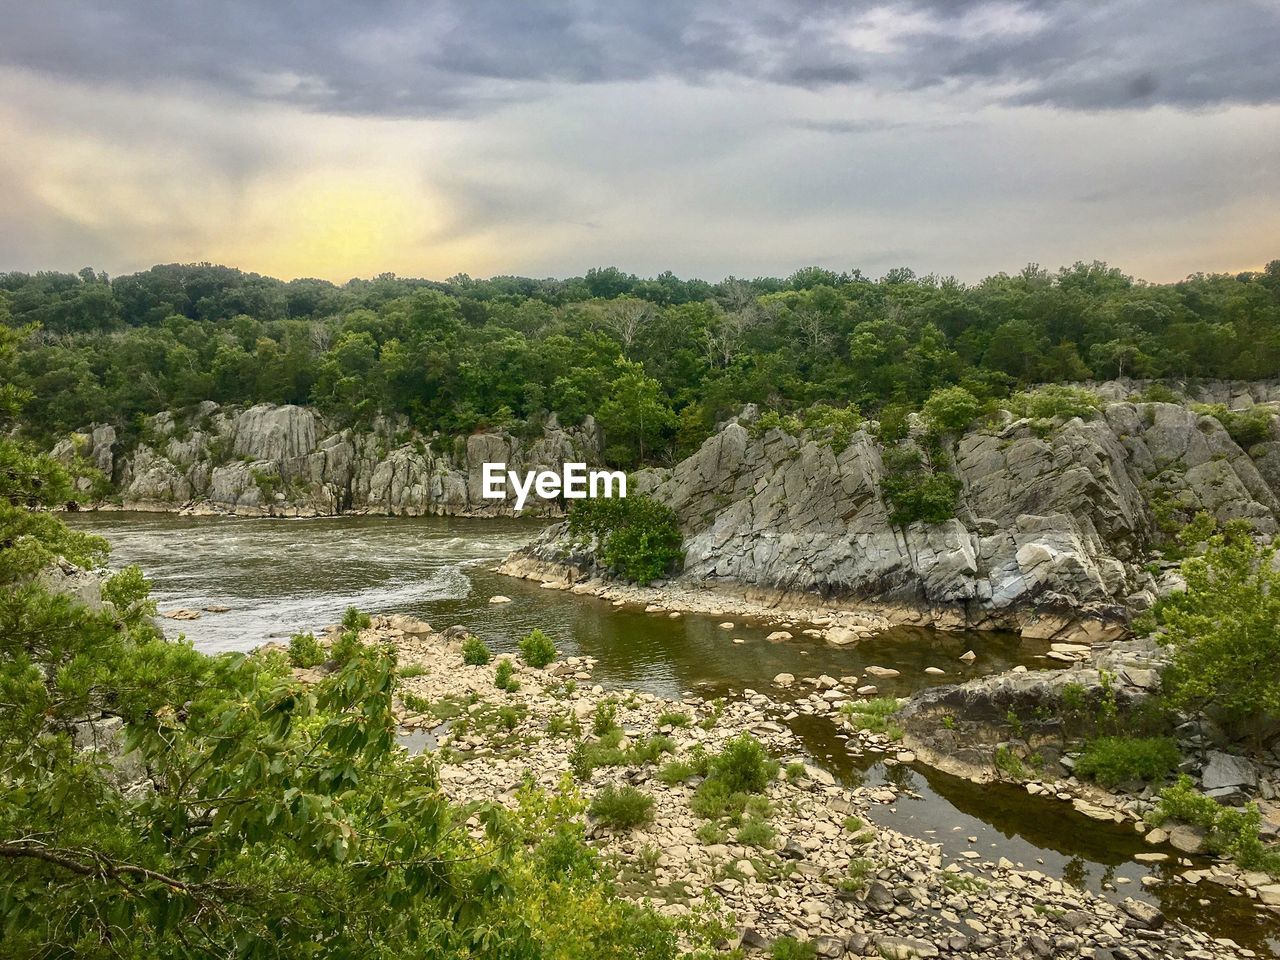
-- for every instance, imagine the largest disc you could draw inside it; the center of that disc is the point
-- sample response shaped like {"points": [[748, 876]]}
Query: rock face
{"points": [[289, 461], [1057, 518]]}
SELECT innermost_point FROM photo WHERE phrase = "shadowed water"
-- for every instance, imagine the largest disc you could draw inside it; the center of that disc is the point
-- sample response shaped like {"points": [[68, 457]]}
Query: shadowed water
{"points": [[279, 577]]}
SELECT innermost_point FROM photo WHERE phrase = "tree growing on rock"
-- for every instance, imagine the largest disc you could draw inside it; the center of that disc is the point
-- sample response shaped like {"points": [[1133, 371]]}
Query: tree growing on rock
{"points": [[1224, 630]]}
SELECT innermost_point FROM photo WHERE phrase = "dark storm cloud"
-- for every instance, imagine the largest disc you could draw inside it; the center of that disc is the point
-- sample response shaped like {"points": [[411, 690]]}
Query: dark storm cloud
{"points": [[423, 59]]}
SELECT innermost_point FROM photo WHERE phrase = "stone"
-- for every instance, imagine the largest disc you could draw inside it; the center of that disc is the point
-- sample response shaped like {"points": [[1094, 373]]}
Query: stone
{"points": [[784, 679], [1187, 838], [968, 656], [1227, 770], [499, 598], [1142, 913], [874, 671], [905, 948], [935, 671], [779, 635]]}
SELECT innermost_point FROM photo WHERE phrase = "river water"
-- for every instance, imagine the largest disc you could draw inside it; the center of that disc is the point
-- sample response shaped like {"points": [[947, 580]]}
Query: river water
{"points": [[279, 577]]}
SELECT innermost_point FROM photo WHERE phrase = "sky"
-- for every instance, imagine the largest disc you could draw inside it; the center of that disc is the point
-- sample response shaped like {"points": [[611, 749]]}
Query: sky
{"points": [[337, 139]]}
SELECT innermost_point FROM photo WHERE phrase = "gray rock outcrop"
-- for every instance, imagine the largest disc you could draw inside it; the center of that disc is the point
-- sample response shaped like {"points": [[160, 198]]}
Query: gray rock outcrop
{"points": [[1053, 528], [289, 461]]}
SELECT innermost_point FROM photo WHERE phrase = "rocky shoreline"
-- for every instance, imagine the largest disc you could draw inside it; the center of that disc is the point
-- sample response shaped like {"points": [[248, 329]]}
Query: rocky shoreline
{"points": [[835, 620], [821, 873]]}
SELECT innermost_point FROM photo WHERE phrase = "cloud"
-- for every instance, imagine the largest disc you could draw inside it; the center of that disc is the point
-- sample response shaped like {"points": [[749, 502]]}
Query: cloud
{"points": [[469, 57]]}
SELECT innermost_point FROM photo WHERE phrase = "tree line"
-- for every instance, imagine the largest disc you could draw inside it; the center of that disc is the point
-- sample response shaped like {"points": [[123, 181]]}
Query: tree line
{"points": [[657, 361]]}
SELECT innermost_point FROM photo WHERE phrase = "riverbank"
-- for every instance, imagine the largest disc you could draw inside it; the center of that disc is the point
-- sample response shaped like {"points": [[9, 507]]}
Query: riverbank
{"points": [[835, 620], [812, 868]]}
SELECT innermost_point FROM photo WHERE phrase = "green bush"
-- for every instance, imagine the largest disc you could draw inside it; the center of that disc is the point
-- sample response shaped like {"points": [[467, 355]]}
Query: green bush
{"points": [[621, 808], [475, 653], [874, 716], [951, 409], [353, 619], [743, 765], [636, 538], [605, 718], [789, 948], [674, 718], [346, 648], [757, 833], [1055, 401], [914, 492], [305, 651], [1114, 760], [504, 676], [1246, 427], [1229, 832], [1157, 393], [537, 648], [734, 779]]}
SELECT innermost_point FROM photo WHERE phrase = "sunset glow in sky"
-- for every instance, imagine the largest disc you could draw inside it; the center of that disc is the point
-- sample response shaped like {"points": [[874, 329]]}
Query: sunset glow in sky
{"points": [[338, 140]]}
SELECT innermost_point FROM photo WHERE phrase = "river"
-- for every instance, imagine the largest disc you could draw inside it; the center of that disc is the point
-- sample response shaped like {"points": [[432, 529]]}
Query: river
{"points": [[279, 577]]}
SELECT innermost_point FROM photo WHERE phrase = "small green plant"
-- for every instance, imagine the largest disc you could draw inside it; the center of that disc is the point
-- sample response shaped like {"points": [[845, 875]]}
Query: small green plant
{"points": [[537, 649], [951, 409], [735, 778], [1007, 762], [1115, 760], [605, 718], [305, 651], [621, 808], [789, 948], [916, 490], [858, 875], [504, 676], [696, 764], [756, 833], [1053, 402], [796, 771], [475, 653], [1246, 427], [508, 718], [874, 716], [1015, 724], [949, 722], [346, 647], [411, 670], [353, 619], [711, 833], [674, 718]]}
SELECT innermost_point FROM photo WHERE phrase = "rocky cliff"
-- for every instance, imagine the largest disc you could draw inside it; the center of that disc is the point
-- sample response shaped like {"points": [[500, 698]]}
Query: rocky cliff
{"points": [[1054, 525], [290, 461]]}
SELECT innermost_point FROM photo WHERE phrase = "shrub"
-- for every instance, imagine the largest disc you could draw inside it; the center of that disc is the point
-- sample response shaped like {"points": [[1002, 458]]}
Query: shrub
{"points": [[475, 653], [636, 538], [915, 493], [874, 716], [504, 677], [1113, 760], [674, 718], [621, 808], [1055, 401], [1229, 832], [743, 765], [696, 764], [353, 619], [756, 833], [789, 948], [951, 409], [305, 651], [1157, 393], [537, 648], [1246, 427], [346, 648], [1221, 630], [605, 718]]}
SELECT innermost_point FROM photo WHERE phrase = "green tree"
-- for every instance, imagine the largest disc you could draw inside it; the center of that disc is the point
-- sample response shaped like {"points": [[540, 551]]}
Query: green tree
{"points": [[637, 416], [1224, 630]]}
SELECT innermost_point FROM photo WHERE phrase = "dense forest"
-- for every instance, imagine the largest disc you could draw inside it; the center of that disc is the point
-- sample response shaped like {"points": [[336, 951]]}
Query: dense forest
{"points": [[657, 361]]}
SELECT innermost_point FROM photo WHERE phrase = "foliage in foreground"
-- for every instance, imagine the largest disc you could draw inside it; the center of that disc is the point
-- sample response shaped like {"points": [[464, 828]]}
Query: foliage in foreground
{"points": [[636, 537], [280, 820], [1115, 760]]}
